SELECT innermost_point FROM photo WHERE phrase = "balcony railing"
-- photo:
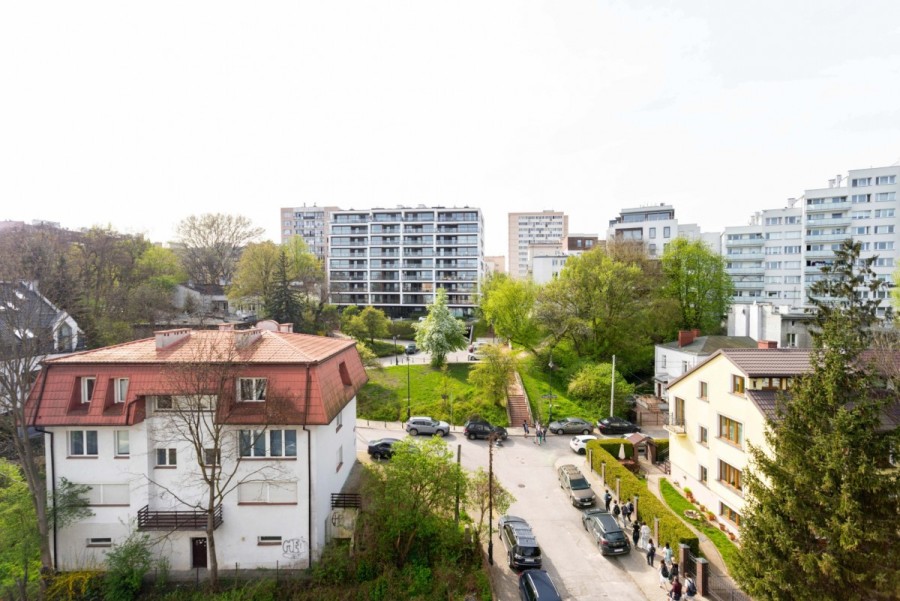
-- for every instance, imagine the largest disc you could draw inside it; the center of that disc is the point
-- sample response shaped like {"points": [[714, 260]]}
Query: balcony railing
{"points": [[676, 425], [177, 520]]}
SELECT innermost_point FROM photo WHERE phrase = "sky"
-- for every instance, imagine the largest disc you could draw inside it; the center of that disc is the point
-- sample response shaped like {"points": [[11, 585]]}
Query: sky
{"points": [[137, 115]]}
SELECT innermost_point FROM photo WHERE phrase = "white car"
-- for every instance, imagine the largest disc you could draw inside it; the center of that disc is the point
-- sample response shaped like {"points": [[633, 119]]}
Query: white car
{"points": [[579, 443]]}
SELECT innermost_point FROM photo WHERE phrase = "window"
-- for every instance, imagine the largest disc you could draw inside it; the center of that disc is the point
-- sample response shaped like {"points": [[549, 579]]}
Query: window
{"points": [[730, 475], [773, 250], [166, 458], [652, 232], [704, 474], [108, 494], [792, 279], [773, 220], [885, 196], [729, 514], [212, 457], [861, 182], [773, 265], [704, 390], [792, 250], [792, 220], [99, 542], [884, 213], [340, 422], [345, 374], [121, 388], [731, 430], [883, 180], [662, 361], [792, 340], [884, 246], [83, 443], [87, 389], [704, 436], [267, 493], [271, 443], [652, 248], [884, 229], [685, 366], [164, 403], [122, 446], [252, 389], [737, 384], [667, 232], [268, 540]]}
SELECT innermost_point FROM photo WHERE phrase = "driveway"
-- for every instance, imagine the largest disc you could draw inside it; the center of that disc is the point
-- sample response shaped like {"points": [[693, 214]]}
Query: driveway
{"points": [[570, 555]]}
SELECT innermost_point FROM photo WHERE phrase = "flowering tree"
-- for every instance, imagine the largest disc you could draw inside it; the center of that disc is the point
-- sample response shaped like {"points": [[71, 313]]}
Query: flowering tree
{"points": [[440, 333]]}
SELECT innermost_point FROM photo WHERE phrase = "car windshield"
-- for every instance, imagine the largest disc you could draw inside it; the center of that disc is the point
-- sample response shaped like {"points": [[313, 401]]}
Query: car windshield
{"points": [[616, 535], [530, 551], [579, 483]]}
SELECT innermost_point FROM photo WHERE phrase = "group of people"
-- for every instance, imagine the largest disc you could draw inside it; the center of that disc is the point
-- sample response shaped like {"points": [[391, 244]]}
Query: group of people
{"points": [[668, 570], [540, 434]]}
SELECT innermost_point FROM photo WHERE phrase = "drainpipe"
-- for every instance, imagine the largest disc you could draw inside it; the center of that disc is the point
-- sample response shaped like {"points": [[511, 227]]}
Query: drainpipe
{"points": [[309, 481], [52, 458]]}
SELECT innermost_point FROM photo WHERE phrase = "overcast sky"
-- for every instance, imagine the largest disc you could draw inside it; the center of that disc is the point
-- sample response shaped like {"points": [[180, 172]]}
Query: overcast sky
{"points": [[140, 114]]}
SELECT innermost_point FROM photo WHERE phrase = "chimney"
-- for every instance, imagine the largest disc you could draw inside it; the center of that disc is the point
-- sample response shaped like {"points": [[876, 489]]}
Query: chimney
{"points": [[226, 327], [766, 344], [696, 333], [685, 337], [244, 338], [167, 338]]}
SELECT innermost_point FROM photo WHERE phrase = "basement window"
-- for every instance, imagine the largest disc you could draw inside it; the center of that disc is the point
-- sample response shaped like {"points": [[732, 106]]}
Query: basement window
{"points": [[264, 541], [99, 542]]}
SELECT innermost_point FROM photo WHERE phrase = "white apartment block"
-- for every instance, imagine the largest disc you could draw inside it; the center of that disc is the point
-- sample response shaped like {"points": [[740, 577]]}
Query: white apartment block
{"points": [[310, 224], [779, 255], [655, 226], [525, 229], [395, 259]]}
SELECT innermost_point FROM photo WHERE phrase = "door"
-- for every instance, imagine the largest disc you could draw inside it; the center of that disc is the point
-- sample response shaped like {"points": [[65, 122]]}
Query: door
{"points": [[198, 552]]}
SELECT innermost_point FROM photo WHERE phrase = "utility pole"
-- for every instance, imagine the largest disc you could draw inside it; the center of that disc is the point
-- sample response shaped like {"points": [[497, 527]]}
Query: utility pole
{"points": [[408, 414], [491, 440], [612, 388]]}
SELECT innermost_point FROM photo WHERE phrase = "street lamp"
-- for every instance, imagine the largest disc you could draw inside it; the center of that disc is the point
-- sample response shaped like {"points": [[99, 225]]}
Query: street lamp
{"points": [[550, 396], [407, 389], [492, 438], [396, 355]]}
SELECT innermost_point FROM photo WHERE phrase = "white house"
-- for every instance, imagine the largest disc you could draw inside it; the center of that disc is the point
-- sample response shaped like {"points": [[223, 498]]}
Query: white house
{"points": [[285, 406], [674, 359]]}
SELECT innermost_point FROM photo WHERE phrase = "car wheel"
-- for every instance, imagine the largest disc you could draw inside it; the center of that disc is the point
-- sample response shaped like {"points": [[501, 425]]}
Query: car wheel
{"points": [[509, 561], [556, 431], [585, 432], [413, 432], [470, 436], [440, 433], [582, 452]]}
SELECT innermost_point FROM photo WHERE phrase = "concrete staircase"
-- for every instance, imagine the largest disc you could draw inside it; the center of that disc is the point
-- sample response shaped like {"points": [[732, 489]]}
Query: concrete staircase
{"points": [[517, 408]]}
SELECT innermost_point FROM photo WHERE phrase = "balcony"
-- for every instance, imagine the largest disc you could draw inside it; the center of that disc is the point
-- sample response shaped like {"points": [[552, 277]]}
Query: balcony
{"points": [[745, 256], [745, 242], [815, 238], [675, 425], [176, 520], [828, 206], [843, 220]]}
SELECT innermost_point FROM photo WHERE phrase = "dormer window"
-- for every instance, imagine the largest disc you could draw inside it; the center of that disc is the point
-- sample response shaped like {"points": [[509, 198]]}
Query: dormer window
{"points": [[121, 389], [87, 389], [252, 389]]}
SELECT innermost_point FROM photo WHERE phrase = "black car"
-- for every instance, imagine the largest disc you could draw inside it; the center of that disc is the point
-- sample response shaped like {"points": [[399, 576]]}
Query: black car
{"points": [[616, 425], [606, 531], [536, 585], [383, 448], [411, 349], [478, 428]]}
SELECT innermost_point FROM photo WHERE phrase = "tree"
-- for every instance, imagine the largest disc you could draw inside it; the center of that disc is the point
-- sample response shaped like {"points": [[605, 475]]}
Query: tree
{"points": [[256, 272], [282, 305], [491, 375], [479, 492], [695, 278], [440, 333], [412, 500], [19, 537], [822, 499], [377, 325], [211, 244], [509, 305], [593, 383]]}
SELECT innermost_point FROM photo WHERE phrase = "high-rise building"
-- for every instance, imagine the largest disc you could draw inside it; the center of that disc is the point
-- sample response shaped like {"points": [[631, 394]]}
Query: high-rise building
{"points": [[654, 226], [780, 254], [395, 259], [525, 229], [310, 224]]}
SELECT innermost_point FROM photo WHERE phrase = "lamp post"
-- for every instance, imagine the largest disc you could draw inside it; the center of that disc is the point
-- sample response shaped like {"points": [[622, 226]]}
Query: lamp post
{"points": [[492, 438], [407, 389], [396, 356], [550, 396]]}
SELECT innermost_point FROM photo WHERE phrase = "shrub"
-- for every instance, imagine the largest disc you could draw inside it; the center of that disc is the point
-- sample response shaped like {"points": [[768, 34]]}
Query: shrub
{"points": [[85, 585], [126, 565], [671, 528], [612, 446], [662, 448], [403, 329]]}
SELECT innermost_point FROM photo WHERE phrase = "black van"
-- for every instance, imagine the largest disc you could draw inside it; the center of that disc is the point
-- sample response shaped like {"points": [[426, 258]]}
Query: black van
{"points": [[522, 550]]}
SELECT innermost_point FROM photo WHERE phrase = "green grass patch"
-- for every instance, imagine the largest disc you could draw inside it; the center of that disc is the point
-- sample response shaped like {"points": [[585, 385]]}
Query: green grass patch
{"points": [[384, 349], [727, 549], [537, 384], [384, 397]]}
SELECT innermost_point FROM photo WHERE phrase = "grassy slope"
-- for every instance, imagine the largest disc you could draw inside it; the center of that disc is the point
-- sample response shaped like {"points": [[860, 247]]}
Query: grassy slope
{"points": [[537, 383]]}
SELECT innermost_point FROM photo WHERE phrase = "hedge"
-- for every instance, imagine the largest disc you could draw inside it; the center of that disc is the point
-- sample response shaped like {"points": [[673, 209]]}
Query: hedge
{"points": [[671, 528], [662, 447], [612, 446]]}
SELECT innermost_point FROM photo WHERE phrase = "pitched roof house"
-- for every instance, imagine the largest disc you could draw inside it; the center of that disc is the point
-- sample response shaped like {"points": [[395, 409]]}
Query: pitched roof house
{"points": [[271, 413], [676, 358]]}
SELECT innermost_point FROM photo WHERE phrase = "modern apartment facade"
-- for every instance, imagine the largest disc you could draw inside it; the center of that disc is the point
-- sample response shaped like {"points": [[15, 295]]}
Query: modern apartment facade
{"points": [[395, 259], [525, 229], [781, 252], [310, 223], [654, 226]]}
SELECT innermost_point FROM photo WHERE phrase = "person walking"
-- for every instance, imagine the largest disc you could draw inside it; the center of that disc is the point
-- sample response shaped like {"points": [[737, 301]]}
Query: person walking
{"points": [[616, 510], [690, 588], [645, 535], [667, 554], [525, 427], [607, 497], [675, 591], [626, 512], [636, 532], [663, 576], [673, 572], [651, 552]]}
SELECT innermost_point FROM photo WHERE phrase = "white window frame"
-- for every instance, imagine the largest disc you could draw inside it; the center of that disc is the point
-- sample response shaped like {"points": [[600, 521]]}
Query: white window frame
{"points": [[258, 389], [121, 390], [264, 541], [169, 455], [120, 437], [99, 542], [85, 435], [266, 436], [88, 388]]}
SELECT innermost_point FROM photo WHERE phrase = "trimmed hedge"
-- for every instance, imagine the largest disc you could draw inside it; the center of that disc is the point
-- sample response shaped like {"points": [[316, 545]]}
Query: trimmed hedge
{"points": [[612, 445], [671, 528], [662, 448]]}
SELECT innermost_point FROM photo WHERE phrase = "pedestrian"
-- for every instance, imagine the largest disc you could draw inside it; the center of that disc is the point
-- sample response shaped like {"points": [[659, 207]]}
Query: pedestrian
{"points": [[675, 591], [626, 512], [537, 433], [663, 576], [631, 510], [645, 535], [690, 588], [543, 434], [651, 551], [636, 532], [608, 498], [673, 573], [616, 511], [525, 427], [667, 554]]}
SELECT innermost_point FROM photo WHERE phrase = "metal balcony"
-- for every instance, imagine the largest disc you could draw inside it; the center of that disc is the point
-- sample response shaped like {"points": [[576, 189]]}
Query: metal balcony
{"points": [[177, 520]]}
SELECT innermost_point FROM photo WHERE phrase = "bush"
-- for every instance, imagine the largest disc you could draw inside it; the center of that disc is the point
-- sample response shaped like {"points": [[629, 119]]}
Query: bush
{"points": [[671, 528], [85, 585], [662, 448], [612, 445], [403, 328], [126, 565]]}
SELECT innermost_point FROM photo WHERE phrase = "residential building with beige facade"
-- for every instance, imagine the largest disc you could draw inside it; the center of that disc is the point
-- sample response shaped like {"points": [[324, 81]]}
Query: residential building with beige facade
{"points": [[526, 229]]}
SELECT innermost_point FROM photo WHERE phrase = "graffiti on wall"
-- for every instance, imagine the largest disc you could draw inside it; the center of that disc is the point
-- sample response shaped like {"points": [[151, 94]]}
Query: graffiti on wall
{"points": [[294, 548]]}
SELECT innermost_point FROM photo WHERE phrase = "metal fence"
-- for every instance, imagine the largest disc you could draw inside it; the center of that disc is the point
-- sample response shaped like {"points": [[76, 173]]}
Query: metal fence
{"points": [[722, 588]]}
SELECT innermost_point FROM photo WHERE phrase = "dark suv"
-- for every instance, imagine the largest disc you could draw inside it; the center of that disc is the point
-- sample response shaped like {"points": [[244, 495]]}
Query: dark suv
{"points": [[479, 428], [522, 550], [536, 585], [605, 530]]}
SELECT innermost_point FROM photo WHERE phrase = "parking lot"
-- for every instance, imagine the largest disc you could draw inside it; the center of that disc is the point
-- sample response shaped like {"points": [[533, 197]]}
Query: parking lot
{"points": [[570, 554]]}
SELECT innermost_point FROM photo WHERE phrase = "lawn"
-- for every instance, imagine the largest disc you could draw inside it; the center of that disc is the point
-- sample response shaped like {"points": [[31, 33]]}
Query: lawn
{"points": [[727, 549], [384, 397], [537, 384]]}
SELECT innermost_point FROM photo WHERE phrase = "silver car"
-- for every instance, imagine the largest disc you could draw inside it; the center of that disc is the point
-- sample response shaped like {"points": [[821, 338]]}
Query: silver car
{"points": [[425, 425], [571, 425]]}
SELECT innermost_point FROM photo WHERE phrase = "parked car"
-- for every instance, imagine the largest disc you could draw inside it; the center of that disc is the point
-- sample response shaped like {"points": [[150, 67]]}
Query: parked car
{"points": [[609, 536], [522, 549], [479, 428], [425, 425], [536, 585], [616, 425], [579, 443], [571, 425], [382, 448], [411, 349], [576, 486]]}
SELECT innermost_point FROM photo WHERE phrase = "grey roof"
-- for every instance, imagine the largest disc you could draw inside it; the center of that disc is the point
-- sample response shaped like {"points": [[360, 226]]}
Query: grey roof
{"points": [[778, 362], [707, 345], [765, 401], [25, 313]]}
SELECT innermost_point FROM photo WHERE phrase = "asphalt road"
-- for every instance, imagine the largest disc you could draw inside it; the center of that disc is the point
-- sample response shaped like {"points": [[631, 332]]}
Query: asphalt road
{"points": [[570, 555]]}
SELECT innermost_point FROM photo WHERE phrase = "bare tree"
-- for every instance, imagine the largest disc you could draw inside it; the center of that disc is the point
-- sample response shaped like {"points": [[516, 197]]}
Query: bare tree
{"points": [[211, 245], [201, 416]]}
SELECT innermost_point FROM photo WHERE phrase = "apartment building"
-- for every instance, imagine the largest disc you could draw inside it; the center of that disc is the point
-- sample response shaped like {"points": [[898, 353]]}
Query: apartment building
{"points": [[494, 264], [310, 223], [395, 259], [780, 253], [578, 244], [539, 227], [654, 226]]}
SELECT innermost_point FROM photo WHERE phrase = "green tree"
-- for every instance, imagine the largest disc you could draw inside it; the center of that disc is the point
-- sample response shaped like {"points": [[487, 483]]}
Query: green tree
{"points": [[440, 333], [593, 382], [696, 280], [126, 565], [509, 305], [282, 305], [491, 375], [822, 502], [256, 272], [479, 492], [375, 323], [19, 536]]}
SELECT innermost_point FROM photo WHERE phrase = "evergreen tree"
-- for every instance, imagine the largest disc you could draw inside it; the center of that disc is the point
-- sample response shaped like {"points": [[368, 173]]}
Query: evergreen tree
{"points": [[440, 332], [820, 520], [282, 305]]}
